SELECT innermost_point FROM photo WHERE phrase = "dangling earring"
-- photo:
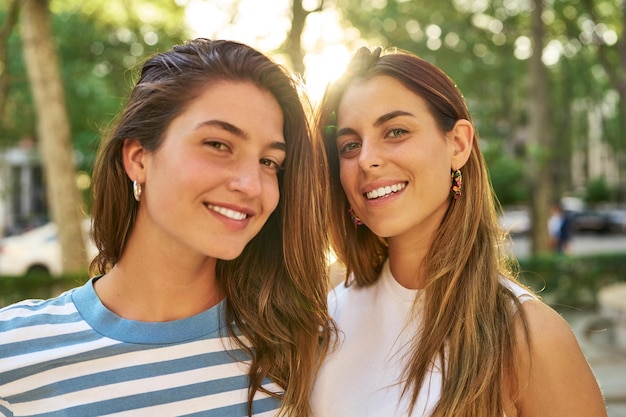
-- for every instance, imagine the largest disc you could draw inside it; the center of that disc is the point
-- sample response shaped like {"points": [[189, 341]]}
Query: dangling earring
{"points": [[457, 181], [354, 217], [136, 190]]}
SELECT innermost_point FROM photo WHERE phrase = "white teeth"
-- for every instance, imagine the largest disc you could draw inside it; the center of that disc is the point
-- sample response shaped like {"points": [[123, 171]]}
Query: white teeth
{"points": [[231, 214], [384, 191]]}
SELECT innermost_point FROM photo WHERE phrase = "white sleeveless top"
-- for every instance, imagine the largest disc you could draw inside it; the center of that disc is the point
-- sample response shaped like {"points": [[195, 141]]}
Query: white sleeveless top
{"points": [[361, 377]]}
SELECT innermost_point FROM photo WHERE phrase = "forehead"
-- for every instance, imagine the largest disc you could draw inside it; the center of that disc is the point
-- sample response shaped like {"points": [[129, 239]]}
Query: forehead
{"points": [[240, 108], [228, 94], [237, 101], [375, 96]]}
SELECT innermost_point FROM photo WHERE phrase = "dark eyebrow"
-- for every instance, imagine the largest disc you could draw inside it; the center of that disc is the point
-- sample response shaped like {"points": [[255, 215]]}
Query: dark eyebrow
{"points": [[382, 119], [385, 117], [345, 131], [279, 146], [231, 128]]}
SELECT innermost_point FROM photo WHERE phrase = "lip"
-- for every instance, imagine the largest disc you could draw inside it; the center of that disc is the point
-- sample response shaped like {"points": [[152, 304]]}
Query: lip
{"points": [[382, 190], [232, 215]]}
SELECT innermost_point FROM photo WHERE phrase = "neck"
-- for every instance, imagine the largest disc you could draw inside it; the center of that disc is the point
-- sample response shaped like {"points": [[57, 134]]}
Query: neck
{"points": [[155, 294], [406, 262]]}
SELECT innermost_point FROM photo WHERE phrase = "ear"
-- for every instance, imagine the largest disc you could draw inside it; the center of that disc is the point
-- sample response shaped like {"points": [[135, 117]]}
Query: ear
{"points": [[462, 138], [133, 155]]}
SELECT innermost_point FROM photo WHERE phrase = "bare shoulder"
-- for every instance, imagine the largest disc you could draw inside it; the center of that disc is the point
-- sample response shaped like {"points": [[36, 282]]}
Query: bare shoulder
{"points": [[554, 376], [548, 329]]}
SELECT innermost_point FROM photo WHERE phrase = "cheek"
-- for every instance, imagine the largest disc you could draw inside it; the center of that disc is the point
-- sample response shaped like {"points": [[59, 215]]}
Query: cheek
{"points": [[348, 180], [441, 182], [346, 176], [271, 194]]}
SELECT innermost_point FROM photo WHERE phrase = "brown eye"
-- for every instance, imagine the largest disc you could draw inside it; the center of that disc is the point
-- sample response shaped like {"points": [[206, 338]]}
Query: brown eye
{"points": [[273, 165], [217, 145]]}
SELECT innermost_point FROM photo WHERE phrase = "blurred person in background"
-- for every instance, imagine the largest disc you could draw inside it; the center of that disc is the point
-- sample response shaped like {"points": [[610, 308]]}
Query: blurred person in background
{"points": [[559, 228]]}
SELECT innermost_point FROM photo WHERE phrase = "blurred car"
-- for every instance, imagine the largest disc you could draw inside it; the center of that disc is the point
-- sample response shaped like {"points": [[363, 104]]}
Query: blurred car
{"points": [[617, 220], [37, 250], [516, 221], [600, 221]]}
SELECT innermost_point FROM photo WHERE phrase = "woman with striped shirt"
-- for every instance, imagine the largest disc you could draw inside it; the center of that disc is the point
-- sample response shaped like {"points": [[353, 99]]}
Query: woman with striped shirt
{"points": [[207, 296]]}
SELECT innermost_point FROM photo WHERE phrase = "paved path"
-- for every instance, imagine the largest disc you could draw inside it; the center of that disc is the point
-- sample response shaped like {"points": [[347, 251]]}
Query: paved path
{"points": [[581, 244], [607, 361]]}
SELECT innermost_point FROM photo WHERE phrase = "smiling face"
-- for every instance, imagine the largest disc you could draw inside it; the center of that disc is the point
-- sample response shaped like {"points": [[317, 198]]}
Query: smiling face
{"points": [[213, 183], [394, 160]]}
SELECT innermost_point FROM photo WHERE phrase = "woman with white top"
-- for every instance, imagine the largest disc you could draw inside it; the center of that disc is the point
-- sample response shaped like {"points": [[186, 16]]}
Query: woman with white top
{"points": [[431, 319]]}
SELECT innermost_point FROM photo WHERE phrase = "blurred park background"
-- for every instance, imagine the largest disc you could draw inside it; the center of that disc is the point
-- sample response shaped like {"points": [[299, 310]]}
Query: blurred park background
{"points": [[545, 81]]}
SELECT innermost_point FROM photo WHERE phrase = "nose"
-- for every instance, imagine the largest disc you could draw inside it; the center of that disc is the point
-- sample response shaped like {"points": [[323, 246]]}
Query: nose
{"points": [[369, 155], [247, 178]]}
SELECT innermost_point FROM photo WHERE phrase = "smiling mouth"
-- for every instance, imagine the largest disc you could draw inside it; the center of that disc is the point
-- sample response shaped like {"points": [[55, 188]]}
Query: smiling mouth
{"points": [[385, 191], [231, 214]]}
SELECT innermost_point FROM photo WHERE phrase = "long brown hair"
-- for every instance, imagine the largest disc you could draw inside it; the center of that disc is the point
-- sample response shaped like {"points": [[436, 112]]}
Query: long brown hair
{"points": [[467, 310], [276, 289]]}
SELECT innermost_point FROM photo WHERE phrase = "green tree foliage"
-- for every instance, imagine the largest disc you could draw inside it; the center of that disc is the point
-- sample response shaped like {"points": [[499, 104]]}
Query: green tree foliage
{"points": [[506, 173], [100, 45], [485, 46], [597, 191]]}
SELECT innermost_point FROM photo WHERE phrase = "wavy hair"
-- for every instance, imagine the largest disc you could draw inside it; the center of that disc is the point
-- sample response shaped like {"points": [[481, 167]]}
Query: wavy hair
{"points": [[467, 308], [276, 289]]}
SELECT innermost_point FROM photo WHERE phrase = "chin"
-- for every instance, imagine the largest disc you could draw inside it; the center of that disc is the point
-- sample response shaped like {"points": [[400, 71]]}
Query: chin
{"points": [[229, 256], [226, 253], [386, 231], [380, 231]]}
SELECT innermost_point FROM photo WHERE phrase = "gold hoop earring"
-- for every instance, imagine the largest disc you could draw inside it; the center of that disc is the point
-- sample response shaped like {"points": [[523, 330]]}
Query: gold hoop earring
{"points": [[136, 190]]}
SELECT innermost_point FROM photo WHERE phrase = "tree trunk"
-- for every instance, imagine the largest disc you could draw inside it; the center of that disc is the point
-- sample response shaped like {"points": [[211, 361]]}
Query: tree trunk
{"points": [[617, 76], [293, 43], [5, 32], [539, 173], [53, 131]]}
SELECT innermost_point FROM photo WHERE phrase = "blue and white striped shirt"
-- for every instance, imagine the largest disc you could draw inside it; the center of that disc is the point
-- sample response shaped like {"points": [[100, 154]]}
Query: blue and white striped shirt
{"points": [[71, 356]]}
